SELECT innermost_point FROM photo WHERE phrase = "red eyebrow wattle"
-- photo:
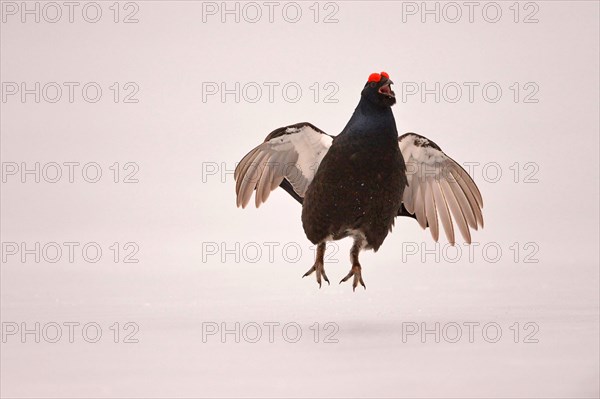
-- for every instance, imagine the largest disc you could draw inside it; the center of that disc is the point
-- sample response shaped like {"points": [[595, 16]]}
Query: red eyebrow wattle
{"points": [[374, 77]]}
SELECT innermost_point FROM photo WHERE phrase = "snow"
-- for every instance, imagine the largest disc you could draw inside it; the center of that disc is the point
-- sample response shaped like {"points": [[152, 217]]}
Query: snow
{"points": [[170, 301]]}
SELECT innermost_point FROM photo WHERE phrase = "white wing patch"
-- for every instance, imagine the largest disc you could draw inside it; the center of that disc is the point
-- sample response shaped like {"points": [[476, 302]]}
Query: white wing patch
{"points": [[439, 190], [295, 156]]}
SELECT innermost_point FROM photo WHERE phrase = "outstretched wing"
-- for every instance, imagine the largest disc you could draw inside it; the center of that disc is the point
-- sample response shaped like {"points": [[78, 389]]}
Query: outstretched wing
{"points": [[439, 189], [289, 157]]}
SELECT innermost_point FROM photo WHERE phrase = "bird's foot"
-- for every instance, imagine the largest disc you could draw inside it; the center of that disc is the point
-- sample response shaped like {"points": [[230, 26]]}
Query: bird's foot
{"points": [[320, 269], [356, 272]]}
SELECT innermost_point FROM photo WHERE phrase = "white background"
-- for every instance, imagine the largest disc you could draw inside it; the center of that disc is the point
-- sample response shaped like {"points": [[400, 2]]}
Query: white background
{"points": [[179, 209]]}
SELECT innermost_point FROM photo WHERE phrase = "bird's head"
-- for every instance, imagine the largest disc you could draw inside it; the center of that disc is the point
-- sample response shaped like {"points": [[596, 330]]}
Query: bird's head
{"points": [[378, 90]]}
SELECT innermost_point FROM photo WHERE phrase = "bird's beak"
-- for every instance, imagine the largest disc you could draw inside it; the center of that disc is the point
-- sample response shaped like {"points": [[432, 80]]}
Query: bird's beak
{"points": [[386, 89]]}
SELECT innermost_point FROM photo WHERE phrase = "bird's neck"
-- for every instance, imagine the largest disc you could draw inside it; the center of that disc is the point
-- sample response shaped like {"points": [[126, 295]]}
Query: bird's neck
{"points": [[370, 118]]}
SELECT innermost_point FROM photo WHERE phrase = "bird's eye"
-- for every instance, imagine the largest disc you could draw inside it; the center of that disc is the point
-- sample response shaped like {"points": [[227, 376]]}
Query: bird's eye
{"points": [[374, 77]]}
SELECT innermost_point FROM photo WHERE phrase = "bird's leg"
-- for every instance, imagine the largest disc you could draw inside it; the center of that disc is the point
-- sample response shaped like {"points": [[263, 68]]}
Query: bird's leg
{"points": [[319, 265], [356, 269]]}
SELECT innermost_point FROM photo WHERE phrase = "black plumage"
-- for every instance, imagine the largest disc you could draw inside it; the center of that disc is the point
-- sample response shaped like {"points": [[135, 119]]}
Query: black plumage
{"points": [[357, 189]]}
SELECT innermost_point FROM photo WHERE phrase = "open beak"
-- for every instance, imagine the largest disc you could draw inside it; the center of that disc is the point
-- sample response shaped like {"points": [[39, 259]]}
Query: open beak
{"points": [[386, 89]]}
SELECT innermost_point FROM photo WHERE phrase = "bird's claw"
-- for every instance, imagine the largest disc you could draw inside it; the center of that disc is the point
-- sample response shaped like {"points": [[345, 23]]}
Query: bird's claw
{"points": [[356, 272], [320, 269]]}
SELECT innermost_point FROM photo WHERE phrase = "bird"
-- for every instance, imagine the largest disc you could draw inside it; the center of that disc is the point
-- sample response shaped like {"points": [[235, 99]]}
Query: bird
{"points": [[356, 183]]}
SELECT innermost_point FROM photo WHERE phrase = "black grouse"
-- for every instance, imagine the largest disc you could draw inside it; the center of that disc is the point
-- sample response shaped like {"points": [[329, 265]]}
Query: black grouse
{"points": [[356, 183]]}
